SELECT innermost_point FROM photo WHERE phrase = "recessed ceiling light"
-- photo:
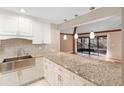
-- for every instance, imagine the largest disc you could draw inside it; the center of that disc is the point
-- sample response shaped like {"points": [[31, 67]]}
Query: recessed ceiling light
{"points": [[22, 10]]}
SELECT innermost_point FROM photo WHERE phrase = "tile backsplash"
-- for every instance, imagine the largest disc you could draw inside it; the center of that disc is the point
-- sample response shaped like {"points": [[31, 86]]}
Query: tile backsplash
{"points": [[10, 48]]}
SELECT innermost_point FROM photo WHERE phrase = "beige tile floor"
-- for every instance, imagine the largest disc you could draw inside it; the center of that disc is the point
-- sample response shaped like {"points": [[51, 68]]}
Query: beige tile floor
{"points": [[41, 82]]}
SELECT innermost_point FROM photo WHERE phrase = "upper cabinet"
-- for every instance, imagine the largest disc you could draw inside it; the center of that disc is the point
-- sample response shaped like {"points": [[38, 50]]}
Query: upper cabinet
{"points": [[37, 32], [25, 26], [8, 23], [41, 32], [46, 33], [14, 25]]}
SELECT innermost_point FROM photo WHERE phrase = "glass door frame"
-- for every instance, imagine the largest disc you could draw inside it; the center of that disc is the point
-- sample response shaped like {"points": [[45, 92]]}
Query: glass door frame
{"points": [[89, 48]]}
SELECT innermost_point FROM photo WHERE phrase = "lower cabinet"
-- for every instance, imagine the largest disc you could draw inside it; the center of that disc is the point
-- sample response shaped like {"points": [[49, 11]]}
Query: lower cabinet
{"points": [[38, 69], [23, 76], [28, 75], [59, 76], [9, 79], [49, 74]]}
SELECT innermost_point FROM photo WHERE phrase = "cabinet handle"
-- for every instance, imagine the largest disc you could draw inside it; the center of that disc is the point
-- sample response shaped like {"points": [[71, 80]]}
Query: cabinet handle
{"points": [[60, 78]]}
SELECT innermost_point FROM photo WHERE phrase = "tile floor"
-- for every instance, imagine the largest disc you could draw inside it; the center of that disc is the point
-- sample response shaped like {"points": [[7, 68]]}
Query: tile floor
{"points": [[41, 82]]}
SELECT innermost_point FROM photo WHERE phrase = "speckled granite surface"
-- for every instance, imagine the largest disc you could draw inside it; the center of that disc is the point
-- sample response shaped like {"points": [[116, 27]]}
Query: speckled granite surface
{"points": [[97, 72]]}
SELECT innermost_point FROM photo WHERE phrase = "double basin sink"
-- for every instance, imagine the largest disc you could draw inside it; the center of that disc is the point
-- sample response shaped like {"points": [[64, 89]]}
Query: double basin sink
{"points": [[15, 63]]}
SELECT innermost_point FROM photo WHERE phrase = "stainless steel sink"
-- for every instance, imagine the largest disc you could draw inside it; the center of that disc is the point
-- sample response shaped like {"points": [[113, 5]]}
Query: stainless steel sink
{"points": [[6, 67], [16, 63], [17, 58]]}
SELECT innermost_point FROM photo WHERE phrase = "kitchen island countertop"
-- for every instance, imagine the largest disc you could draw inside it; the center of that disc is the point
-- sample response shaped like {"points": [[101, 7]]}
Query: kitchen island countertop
{"points": [[96, 71]]}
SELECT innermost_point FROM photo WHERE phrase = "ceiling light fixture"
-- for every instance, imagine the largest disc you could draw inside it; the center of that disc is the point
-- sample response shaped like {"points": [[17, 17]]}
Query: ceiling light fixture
{"points": [[22, 10], [92, 35], [76, 36], [65, 37]]}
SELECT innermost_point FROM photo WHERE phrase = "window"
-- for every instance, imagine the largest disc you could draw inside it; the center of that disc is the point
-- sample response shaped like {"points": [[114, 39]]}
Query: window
{"points": [[96, 46]]}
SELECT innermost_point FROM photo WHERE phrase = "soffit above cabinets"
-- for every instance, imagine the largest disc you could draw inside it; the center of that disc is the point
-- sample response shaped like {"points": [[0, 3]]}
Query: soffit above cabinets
{"points": [[52, 14]]}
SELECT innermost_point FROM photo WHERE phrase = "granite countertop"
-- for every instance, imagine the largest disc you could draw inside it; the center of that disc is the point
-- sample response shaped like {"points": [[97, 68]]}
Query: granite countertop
{"points": [[96, 71]]}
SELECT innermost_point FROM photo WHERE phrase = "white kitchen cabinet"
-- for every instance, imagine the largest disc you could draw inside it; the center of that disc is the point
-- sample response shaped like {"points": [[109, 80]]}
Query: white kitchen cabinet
{"points": [[9, 79], [49, 71], [38, 68], [8, 23], [62, 76], [46, 33], [28, 75], [56, 75], [41, 32], [25, 26], [37, 32]]}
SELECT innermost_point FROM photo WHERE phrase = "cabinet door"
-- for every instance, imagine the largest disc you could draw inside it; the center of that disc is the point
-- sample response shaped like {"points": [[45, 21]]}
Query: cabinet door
{"points": [[28, 75], [9, 79], [8, 23], [37, 29], [25, 26], [39, 68], [45, 68], [59, 75], [66, 78], [46, 33], [49, 71]]}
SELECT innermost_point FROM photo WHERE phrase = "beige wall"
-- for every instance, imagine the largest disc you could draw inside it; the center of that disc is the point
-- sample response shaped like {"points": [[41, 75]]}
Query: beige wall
{"points": [[114, 45], [55, 38], [11, 47], [66, 45]]}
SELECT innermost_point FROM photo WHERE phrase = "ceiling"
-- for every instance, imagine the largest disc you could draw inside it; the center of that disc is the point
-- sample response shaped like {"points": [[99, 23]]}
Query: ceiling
{"points": [[113, 22], [53, 14]]}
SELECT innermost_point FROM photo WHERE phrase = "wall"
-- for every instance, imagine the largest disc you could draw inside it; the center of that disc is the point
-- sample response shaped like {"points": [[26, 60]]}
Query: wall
{"points": [[66, 45], [114, 45], [55, 37], [9, 48]]}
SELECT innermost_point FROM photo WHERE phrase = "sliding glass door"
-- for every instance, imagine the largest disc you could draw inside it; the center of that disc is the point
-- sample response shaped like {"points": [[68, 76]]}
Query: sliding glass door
{"points": [[83, 45], [96, 46]]}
